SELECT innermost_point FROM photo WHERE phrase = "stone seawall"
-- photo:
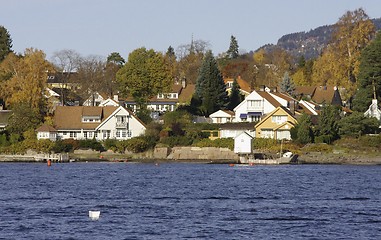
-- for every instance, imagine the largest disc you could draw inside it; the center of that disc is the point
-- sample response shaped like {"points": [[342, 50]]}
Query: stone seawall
{"points": [[195, 153]]}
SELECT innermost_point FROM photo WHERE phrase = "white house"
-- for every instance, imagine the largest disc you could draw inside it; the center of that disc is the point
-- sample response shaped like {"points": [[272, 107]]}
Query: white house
{"points": [[254, 106], [243, 143], [232, 130], [222, 116], [373, 110], [95, 99], [100, 123], [47, 132]]}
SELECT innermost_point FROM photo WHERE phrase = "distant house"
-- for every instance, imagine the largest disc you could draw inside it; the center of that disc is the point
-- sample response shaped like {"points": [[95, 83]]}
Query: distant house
{"points": [[95, 99], [46, 132], [244, 86], [100, 123], [322, 95], [373, 110], [64, 80], [232, 130], [257, 104], [222, 116], [180, 94], [4, 118], [277, 124]]}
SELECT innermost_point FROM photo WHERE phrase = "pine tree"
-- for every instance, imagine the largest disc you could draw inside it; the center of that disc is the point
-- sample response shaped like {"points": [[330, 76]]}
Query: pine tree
{"points": [[328, 127], [233, 48], [5, 43], [210, 86], [235, 95], [287, 85], [304, 133], [369, 75]]}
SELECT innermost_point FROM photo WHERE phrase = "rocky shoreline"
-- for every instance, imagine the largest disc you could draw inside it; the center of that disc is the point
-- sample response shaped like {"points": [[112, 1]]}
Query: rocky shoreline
{"points": [[197, 155]]}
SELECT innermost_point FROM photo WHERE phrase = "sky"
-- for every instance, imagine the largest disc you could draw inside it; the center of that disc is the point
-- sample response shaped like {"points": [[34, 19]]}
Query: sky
{"points": [[100, 27]]}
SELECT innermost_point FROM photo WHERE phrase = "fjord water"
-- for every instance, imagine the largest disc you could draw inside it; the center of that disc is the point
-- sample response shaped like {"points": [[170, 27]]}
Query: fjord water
{"points": [[185, 201]]}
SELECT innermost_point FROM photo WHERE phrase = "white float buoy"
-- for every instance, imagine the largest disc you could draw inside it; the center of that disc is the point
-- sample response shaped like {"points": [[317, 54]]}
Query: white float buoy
{"points": [[94, 215]]}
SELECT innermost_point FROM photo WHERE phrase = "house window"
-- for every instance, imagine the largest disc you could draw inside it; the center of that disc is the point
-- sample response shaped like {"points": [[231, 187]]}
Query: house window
{"points": [[118, 133], [73, 134], [85, 134], [90, 134], [124, 134], [106, 134], [219, 120], [129, 133], [279, 119], [254, 104]]}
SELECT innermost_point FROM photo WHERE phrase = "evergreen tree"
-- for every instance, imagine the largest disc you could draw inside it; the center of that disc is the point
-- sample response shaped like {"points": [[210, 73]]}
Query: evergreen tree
{"points": [[5, 43], [369, 75], [233, 48], [116, 58], [235, 95], [328, 127], [210, 86], [287, 85], [170, 52], [304, 132]]}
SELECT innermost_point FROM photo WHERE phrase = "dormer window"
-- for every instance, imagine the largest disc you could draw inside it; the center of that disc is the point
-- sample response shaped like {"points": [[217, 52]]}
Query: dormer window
{"points": [[160, 96], [91, 119]]}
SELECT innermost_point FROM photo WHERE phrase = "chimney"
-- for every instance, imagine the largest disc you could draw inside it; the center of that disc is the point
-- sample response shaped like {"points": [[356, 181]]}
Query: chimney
{"points": [[262, 88], [292, 107], [183, 83], [116, 98]]}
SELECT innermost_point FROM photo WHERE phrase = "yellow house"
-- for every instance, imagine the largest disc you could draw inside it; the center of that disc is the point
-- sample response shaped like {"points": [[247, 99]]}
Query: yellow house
{"points": [[277, 124]]}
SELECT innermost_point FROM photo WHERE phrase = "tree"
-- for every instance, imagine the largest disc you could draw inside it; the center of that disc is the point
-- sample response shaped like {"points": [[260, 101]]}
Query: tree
{"points": [[66, 62], [369, 78], [232, 52], [23, 118], [287, 85], [339, 63], [5, 43], [27, 83], [91, 76], [210, 86], [235, 96], [328, 127], [116, 58], [304, 131], [144, 75], [356, 124]]}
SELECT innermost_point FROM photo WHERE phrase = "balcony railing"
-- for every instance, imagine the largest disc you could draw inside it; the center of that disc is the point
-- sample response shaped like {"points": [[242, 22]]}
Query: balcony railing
{"points": [[121, 124]]}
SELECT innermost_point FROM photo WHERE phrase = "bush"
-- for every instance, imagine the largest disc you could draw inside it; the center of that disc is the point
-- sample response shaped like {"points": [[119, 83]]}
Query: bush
{"points": [[137, 145], [370, 141], [63, 146], [110, 144], [219, 143], [176, 141], [90, 144], [264, 143]]}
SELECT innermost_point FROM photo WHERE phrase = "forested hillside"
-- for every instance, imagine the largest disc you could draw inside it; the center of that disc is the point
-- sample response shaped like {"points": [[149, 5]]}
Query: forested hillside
{"points": [[311, 43]]}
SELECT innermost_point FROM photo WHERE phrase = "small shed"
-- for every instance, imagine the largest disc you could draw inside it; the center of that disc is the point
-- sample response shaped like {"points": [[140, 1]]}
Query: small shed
{"points": [[243, 143]]}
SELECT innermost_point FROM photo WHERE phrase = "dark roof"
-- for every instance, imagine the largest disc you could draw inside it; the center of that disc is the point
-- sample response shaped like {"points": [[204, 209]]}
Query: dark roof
{"points": [[46, 128], [59, 77], [238, 126], [269, 98]]}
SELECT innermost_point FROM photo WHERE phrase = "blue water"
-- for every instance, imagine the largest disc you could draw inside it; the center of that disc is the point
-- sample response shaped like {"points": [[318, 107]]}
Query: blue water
{"points": [[189, 201]]}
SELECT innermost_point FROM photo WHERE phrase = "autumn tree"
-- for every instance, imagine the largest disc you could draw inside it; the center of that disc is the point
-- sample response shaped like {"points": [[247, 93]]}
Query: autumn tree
{"points": [[210, 87], [369, 79], [190, 58], [27, 81], [144, 75], [232, 52], [5, 43], [339, 63]]}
